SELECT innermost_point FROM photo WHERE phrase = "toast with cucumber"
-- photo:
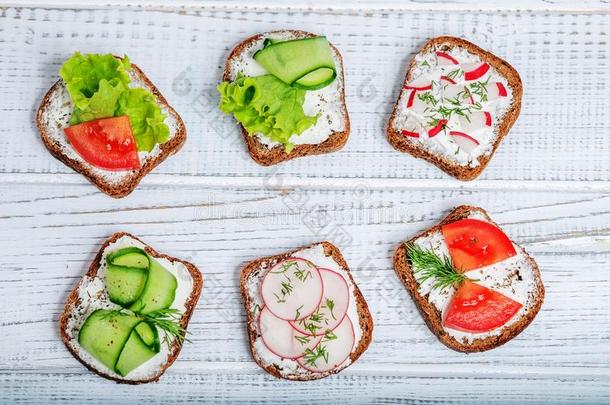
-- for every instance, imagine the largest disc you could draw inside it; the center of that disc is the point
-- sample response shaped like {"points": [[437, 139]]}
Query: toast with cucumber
{"points": [[106, 120], [456, 105], [127, 318], [306, 317], [286, 90], [475, 288]]}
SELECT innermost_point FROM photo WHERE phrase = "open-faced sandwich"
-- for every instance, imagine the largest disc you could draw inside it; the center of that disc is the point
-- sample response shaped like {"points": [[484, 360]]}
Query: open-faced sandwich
{"points": [[126, 319], [456, 105], [307, 318], [286, 90], [474, 287], [107, 121]]}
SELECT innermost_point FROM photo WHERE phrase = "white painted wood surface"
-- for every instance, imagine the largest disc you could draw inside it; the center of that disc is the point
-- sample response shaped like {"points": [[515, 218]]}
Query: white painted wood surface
{"points": [[549, 186]]}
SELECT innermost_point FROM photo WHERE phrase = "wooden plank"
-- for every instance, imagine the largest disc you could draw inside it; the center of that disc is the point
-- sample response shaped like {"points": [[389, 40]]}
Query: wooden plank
{"points": [[562, 57], [566, 347]]}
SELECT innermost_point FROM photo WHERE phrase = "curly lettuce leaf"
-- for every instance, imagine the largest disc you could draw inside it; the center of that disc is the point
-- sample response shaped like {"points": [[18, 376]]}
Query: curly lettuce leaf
{"points": [[266, 105], [99, 88], [95, 83], [145, 117]]}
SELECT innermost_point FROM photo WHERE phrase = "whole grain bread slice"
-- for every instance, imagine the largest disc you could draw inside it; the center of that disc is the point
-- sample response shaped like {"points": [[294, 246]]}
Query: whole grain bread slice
{"points": [[254, 270], [433, 317], [74, 301], [260, 152], [403, 144], [54, 113]]}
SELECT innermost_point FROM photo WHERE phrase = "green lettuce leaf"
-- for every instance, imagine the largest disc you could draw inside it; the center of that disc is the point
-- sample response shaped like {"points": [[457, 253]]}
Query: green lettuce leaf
{"points": [[145, 117], [266, 105], [99, 88], [95, 83]]}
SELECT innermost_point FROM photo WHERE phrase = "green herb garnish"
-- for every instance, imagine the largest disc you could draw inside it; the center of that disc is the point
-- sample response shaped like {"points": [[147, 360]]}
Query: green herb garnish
{"points": [[311, 356], [168, 320], [427, 265]]}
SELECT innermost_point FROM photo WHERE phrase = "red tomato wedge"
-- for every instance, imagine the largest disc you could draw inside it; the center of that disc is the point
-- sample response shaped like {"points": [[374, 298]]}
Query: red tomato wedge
{"points": [[477, 309], [474, 243], [106, 143]]}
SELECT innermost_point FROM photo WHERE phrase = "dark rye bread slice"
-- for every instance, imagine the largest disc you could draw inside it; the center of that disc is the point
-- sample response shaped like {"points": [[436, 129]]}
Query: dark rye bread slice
{"points": [[54, 113], [269, 156], [433, 316], [73, 302], [253, 270], [403, 144]]}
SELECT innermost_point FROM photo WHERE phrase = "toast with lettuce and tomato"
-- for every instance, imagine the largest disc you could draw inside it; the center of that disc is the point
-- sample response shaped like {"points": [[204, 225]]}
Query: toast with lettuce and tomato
{"points": [[286, 91], [475, 288], [106, 120]]}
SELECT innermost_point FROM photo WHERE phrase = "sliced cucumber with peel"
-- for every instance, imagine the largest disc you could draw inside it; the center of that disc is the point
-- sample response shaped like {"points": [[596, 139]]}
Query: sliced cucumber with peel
{"points": [[306, 63]]}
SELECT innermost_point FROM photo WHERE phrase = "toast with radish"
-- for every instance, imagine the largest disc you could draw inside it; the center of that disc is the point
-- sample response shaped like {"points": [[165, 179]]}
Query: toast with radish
{"points": [[126, 319], [298, 78], [457, 103], [114, 129], [475, 288], [306, 317]]}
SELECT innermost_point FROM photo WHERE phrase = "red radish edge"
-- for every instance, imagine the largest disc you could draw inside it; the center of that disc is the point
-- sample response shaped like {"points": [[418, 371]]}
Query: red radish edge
{"points": [[501, 90], [448, 79], [410, 133], [438, 128], [487, 118], [411, 99], [428, 87], [321, 295], [463, 135], [447, 56], [477, 73]]}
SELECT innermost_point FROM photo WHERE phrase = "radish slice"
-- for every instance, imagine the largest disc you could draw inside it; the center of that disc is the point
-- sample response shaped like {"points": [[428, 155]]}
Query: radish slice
{"points": [[332, 309], [281, 338], [330, 354], [292, 289], [475, 121], [444, 59], [496, 90], [474, 71], [438, 128], [466, 142], [416, 104], [456, 92], [421, 84]]}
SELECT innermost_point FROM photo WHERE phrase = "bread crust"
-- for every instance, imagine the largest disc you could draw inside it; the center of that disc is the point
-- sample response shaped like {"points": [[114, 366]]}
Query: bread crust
{"points": [[124, 188], [365, 320], [259, 151], [401, 143], [73, 301], [433, 317]]}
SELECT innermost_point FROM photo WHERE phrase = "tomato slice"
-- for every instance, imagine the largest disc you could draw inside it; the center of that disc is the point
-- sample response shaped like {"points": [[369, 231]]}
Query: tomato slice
{"points": [[474, 243], [477, 309], [106, 143]]}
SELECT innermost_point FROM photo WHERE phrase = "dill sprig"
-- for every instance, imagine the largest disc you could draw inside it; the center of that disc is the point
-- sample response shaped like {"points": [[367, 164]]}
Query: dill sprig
{"points": [[311, 356], [427, 265], [480, 89], [168, 320]]}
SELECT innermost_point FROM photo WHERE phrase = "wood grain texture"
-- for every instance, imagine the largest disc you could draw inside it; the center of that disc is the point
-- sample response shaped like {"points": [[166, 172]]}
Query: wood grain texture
{"points": [[563, 356], [548, 186]]}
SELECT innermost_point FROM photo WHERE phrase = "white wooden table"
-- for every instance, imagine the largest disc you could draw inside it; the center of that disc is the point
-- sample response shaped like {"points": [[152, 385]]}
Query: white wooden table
{"points": [[548, 185]]}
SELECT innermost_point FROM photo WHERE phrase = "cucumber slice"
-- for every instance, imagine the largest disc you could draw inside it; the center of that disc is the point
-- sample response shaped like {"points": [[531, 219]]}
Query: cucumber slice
{"points": [[129, 257], [317, 79], [292, 60], [134, 354], [125, 284], [149, 335], [104, 334], [159, 291]]}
